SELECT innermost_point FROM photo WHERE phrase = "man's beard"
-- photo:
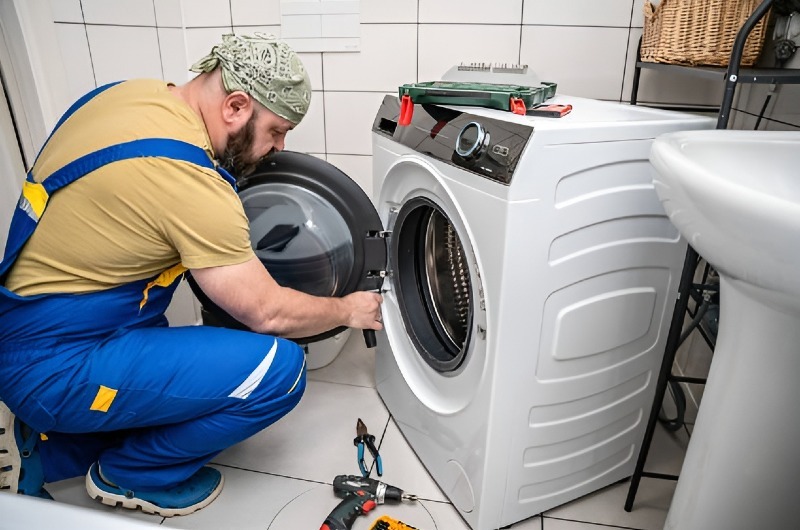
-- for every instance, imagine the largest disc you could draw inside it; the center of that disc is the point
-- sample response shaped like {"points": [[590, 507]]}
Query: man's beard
{"points": [[236, 157]]}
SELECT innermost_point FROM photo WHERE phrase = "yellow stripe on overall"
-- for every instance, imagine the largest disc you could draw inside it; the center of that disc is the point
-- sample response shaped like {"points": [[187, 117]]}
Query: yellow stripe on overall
{"points": [[164, 279]]}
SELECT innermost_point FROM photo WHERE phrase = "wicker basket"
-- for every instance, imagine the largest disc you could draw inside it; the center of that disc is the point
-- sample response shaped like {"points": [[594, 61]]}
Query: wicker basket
{"points": [[699, 32]]}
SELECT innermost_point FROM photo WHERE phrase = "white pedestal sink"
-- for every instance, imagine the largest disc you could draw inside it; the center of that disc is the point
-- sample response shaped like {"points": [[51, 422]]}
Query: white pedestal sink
{"points": [[735, 197]]}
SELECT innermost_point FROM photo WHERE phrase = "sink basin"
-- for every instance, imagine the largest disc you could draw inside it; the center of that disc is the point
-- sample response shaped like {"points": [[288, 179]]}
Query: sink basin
{"points": [[735, 197]]}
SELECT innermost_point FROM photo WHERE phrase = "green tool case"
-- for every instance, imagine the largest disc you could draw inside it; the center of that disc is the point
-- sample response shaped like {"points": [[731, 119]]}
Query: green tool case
{"points": [[503, 97]]}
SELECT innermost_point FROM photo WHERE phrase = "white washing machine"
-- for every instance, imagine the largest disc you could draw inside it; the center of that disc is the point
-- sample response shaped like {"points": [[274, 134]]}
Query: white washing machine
{"points": [[531, 279]]}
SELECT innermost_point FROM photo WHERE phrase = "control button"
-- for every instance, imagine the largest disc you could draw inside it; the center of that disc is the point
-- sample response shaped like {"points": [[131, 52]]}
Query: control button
{"points": [[472, 140], [500, 150]]}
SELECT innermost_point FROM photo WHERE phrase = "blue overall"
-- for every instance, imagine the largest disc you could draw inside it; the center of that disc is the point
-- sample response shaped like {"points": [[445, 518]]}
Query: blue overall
{"points": [[103, 377]]}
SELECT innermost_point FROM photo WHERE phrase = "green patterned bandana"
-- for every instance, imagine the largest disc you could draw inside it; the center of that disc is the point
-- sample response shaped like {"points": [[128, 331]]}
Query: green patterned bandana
{"points": [[266, 69]]}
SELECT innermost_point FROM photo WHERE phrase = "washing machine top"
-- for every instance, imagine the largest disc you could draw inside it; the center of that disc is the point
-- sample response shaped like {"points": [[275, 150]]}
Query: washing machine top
{"points": [[594, 120], [492, 142]]}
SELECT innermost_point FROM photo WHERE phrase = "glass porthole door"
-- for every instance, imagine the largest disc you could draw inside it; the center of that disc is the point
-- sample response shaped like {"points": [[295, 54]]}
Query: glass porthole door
{"points": [[313, 228]]}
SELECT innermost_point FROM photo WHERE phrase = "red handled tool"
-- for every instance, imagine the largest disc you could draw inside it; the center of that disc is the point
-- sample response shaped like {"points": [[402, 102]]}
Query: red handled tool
{"points": [[406, 110], [517, 106], [550, 110], [359, 496]]}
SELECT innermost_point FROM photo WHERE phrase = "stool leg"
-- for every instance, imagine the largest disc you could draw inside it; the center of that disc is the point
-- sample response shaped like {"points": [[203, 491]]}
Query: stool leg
{"points": [[673, 342]]}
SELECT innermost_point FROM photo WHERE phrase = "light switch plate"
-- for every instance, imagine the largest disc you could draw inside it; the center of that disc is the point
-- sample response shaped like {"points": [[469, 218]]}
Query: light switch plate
{"points": [[319, 7], [327, 44], [301, 26], [321, 25], [345, 26]]}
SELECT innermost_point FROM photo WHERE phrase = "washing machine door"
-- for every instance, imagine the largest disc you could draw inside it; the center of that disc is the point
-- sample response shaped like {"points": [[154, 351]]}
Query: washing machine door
{"points": [[313, 228]]}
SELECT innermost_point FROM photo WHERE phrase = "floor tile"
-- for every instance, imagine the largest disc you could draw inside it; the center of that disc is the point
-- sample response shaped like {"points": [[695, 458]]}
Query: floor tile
{"points": [[531, 523], [315, 440], [667, 451], [309, 510], [248, 500], [402, 468], [355, 364], [73, 492], [563, 524], [606, 506], [444, 515], [20, 511]]}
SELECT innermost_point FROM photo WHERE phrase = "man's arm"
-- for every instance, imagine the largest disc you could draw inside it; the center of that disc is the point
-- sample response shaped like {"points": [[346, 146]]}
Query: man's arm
{"points": [[252, 296]]}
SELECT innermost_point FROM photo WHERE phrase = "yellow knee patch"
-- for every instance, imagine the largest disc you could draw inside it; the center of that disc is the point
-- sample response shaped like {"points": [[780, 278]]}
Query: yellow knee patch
{"points": [[102, 401]]}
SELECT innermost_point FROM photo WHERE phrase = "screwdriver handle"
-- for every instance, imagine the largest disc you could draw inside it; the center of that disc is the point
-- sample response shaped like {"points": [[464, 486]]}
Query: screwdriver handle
{"points": [[369, 338], [353, 505]]}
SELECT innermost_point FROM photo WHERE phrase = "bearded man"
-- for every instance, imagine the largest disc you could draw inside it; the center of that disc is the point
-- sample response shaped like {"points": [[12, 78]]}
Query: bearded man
{"points": [[132, 190]]}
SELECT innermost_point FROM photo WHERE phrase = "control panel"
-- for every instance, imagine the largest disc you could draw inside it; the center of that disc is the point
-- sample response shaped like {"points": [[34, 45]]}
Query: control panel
{"points": [[486, 146]]}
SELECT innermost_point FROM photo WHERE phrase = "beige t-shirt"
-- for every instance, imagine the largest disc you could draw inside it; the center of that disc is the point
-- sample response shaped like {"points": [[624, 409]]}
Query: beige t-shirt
{"points": [[129, 220]]}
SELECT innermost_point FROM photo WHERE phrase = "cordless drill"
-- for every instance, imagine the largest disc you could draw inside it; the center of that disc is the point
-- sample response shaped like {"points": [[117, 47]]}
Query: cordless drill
{"points": [[359, 495]]}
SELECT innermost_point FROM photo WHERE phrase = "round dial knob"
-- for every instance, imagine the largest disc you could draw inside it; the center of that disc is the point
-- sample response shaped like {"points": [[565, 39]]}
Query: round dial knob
{"points": [[472, 140]]}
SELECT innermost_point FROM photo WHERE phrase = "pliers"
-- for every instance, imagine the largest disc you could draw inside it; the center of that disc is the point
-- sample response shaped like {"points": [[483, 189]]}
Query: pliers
{"points": [[364, 438]]}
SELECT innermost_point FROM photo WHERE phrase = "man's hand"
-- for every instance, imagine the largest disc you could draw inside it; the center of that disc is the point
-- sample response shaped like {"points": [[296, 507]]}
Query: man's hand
{"points": [[250, 295], [364, 310]]}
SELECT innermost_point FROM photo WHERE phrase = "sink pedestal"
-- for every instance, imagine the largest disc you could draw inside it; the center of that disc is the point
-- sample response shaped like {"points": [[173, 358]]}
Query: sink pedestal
{"points": [[742, 466]]}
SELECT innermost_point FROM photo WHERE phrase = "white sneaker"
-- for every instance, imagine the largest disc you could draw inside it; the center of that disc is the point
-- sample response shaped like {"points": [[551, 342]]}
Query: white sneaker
{"points": [[20, 465]]}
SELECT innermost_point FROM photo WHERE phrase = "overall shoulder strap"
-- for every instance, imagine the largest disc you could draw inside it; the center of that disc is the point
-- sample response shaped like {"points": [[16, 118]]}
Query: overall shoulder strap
{"points": [[70, 111], [33, 200], [145, 147]]}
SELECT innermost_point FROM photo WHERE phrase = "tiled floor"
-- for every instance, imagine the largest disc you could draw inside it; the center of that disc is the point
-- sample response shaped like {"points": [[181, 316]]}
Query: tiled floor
{"points": [[281, 478]]}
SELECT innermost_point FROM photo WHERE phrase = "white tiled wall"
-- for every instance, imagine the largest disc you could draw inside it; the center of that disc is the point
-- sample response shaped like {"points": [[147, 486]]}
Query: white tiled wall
{"points": [[119, 12], [470, 12], [610, 13], [587, 46], [116, 50], [444, 45], [168, 13], [595, 75], [256, 12]]}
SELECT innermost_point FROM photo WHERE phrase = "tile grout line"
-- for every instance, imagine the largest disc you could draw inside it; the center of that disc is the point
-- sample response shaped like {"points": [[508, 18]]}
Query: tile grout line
{"points": [[627, 51], [158, 42], [311, 481], [340, 383], [88, 43], [589, 522]]}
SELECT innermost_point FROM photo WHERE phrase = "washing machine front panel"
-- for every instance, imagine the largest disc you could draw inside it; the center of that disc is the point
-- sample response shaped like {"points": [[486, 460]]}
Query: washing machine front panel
{"points": [[436, 408], [484, 145], [314, 230], [438, 338]]}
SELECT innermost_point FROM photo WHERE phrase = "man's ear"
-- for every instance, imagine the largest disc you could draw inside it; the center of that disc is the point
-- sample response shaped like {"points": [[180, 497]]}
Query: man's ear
{"points": [[237, 107]]}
